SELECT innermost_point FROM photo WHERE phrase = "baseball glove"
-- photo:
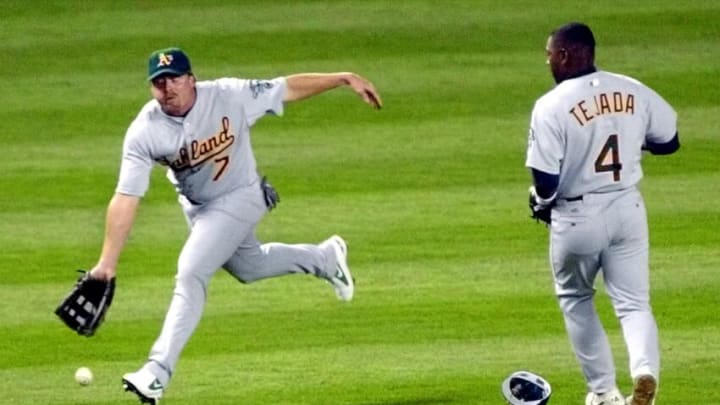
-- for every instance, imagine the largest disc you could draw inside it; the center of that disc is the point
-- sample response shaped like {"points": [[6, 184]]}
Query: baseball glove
{"points": [[83, 310], [540, 209], [272, 198]]}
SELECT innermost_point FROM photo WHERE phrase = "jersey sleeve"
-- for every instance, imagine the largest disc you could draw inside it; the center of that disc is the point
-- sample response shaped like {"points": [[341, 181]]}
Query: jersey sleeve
{"points": [[135, 166], [545, 141], [261, 97], [662, 119]]}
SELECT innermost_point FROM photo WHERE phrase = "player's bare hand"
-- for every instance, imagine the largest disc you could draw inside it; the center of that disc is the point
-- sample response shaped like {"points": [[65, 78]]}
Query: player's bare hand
{"points": [[365, 90], [100, 272]]}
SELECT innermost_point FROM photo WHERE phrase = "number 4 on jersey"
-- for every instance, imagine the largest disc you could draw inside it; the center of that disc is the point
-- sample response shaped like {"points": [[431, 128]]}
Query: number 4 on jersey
{"points": [[609, 158]]}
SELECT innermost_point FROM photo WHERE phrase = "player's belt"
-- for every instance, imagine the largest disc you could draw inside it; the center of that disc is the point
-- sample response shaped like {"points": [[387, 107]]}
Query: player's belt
{"points": [[571, 199]]}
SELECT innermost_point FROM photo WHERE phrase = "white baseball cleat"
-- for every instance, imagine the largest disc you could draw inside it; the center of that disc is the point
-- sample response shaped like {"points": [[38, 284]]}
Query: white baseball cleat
{"points": [[145, 385], [613, 397], [339, 275], [644, 389]]}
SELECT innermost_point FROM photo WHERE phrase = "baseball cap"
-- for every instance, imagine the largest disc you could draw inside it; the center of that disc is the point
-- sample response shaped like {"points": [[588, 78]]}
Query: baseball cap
{"points": [[168, 61]]}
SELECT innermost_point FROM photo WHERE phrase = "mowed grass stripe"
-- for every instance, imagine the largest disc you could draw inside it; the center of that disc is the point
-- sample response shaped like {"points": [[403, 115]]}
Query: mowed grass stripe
{"points": [[498, 211]]}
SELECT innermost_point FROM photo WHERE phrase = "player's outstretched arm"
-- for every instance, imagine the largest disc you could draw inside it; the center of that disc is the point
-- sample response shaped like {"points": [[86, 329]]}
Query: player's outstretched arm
{"points": [[304, 85], [120, 217]]}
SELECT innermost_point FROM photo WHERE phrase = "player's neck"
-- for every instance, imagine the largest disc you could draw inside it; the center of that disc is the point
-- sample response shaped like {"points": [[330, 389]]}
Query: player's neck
{"points": [[582, 72]]}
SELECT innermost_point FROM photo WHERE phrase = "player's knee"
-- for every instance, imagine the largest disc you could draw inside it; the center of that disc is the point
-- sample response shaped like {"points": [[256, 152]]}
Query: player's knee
{"points": [[245, 277], [242, 277], [190, 283], [245, 269], [628, 308], [569, 301]]}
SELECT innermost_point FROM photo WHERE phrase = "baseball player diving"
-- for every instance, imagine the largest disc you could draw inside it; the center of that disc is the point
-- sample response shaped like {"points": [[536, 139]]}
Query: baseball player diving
{"points": [[585, 145], [200, 130]]}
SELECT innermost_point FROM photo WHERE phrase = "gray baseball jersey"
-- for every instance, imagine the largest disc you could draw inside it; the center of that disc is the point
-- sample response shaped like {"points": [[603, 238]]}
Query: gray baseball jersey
{"points": [[590, 130], [208, 152]]}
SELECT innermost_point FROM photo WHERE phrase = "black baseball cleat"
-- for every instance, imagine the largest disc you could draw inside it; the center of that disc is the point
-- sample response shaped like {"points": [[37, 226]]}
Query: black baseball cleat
{"points": [[145, 385]]}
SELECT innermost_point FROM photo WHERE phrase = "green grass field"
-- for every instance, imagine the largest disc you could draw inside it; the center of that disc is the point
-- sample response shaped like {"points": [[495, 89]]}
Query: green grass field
{"points": [[453, 285]]}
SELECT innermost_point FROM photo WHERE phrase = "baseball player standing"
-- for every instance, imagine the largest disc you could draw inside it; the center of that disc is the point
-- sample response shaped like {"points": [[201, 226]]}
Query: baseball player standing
{"points": [[584, 151], [200, 130]]}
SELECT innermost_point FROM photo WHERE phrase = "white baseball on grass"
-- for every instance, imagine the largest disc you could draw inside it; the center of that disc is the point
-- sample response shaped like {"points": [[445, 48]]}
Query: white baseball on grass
{"points": [[83, 376]]}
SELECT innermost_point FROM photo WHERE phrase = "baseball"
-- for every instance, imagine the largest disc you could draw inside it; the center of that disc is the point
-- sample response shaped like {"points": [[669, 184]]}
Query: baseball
{"points": [[83, 376]]}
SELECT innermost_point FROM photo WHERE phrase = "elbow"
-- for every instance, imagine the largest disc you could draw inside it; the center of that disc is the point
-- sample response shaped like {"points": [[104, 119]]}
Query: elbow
{"points": [[664, 148]]}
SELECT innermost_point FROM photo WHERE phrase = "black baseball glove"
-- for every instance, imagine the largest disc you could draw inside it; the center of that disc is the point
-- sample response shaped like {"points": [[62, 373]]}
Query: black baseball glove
{"points": [[272, 198], [83, 310], [540, 209]]}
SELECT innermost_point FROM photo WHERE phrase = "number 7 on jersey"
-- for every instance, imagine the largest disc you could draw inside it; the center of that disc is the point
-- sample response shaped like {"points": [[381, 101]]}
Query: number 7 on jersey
{"points": [[221, 163]]}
